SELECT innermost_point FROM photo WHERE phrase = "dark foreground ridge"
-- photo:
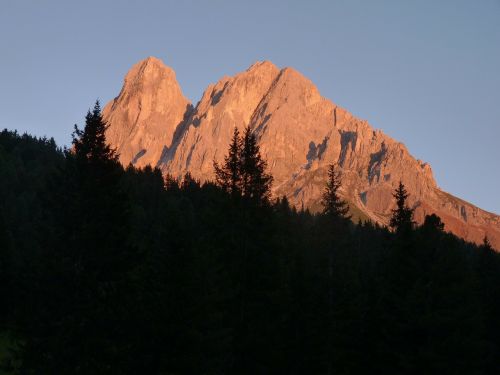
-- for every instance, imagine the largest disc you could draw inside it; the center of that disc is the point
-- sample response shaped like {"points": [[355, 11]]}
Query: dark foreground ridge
{"points": [[106, 270]]}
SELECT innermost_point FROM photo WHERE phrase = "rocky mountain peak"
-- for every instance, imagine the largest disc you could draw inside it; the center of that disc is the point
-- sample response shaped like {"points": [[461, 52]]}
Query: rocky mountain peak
{"points": [[300, 133], [144, 116], [149, 68], [260, 67], [146, 75]]}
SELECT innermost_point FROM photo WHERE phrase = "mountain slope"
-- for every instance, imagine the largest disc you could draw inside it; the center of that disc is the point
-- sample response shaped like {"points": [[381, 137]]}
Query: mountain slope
{"points": [[299, 132]]}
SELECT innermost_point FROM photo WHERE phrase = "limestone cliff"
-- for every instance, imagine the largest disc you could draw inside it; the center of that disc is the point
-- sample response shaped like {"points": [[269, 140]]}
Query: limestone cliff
{"points": [[144, 116], [299, 132]]}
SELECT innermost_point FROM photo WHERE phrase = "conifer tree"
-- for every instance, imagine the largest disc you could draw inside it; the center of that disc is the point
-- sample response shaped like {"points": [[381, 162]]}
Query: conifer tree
{"points": [[335, 217], [189, 183], [170, 183], [228, 176], [333, 205], [90, 143], [93, 260], [256, 182], [402, 215], [243, 173]]}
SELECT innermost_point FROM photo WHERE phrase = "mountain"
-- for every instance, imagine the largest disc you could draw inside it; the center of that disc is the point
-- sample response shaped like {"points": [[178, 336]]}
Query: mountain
{"points": [[146, 113], [299, 132]]}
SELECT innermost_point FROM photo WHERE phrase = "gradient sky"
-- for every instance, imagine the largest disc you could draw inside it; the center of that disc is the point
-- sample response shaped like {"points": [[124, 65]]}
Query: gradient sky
{"points": [[425, 72]]}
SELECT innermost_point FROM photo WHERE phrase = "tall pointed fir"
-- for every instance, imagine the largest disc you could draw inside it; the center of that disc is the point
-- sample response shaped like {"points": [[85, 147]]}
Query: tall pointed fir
{"points": [[90, 143], [243, 173], [228, 176], [256, 182], [90, 304], [334, 206], [335, 218], [402, 215]]}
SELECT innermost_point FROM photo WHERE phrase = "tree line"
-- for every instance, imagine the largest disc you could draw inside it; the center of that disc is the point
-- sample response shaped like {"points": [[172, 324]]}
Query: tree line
{"points": [[112, 270]]}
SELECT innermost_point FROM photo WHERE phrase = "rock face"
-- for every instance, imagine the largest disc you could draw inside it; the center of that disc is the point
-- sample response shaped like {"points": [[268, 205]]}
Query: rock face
{"points": [[148, 110], [300, 133]]}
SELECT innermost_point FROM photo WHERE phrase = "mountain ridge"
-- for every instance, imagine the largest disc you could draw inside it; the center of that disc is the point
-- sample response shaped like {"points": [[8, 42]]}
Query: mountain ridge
{"points": [[299, 132]]}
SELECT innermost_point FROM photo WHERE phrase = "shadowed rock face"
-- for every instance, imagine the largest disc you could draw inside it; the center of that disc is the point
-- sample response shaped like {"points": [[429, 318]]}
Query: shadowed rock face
{"points": [[299, 132]]}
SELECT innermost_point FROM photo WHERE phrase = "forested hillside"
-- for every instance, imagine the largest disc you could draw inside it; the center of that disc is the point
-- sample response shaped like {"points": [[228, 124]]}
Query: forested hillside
{"points": [[105, 270]]}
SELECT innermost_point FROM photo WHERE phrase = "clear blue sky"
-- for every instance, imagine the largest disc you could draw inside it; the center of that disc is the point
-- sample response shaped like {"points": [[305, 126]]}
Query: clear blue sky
{"points": [[425, 72]]}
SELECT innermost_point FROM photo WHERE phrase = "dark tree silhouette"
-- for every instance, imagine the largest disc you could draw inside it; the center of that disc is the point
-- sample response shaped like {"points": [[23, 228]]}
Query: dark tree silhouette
{"points": [[486, 243], [228, 176], [256, 182], [112, 271], [91, 258], [243, 173], [90, 143], [433, 222], [333, 205], [336, 218], [402, 215]]}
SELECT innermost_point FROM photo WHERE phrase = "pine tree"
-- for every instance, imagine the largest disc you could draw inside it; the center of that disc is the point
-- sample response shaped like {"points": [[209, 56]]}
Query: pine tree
{"points": [[256, 183], [228, 176], [90, 143], [333, 205], [402, 215]]}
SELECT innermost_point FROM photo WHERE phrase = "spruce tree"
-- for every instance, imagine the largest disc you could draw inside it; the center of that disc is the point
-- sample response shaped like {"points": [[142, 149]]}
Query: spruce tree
{"points": [[228, 176], [335, 218], [243, 173], [256, 182], [334, 206], [90, 305], [90, 143], [402, 215]]}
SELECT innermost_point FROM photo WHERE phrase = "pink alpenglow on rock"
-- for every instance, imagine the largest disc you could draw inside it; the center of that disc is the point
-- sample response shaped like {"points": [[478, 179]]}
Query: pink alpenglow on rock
{"points": [[300, 133], [146, 113]]}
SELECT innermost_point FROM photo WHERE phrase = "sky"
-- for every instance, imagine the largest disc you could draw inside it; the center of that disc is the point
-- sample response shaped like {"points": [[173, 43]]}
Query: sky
{"points": [[427, 73]]}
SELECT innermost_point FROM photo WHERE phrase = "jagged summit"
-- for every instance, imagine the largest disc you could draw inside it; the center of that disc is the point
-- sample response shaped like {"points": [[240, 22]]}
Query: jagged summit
{"points": [[152, 60], [262, 66], [144, 116], [148, 71], [300, 134]]}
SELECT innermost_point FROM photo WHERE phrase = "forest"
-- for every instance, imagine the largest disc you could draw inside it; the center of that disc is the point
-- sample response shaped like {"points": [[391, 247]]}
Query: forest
{"points": [[113, 270]]}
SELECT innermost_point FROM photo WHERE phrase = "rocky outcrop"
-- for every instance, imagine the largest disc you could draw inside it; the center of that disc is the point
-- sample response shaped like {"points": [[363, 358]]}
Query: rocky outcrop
{"points": [[300, 134], [144, 116]]}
